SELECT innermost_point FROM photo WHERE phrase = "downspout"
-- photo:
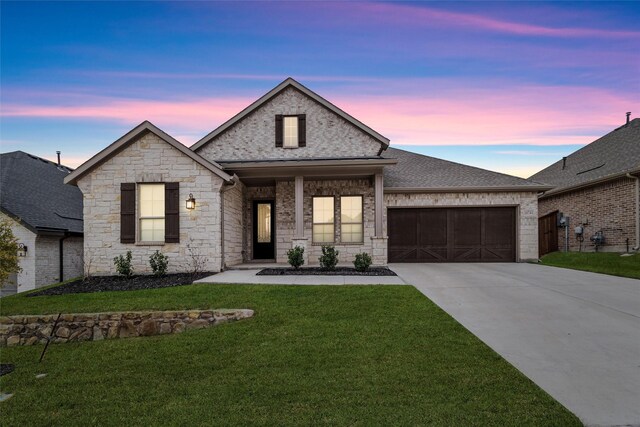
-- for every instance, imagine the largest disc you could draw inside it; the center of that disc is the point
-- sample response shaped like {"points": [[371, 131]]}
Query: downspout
{"points": [[61, 245], [223, 190], [637, 246]]}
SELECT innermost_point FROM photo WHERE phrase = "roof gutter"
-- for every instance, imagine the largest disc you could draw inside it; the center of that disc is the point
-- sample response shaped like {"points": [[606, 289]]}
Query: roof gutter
{"points": [[637, 209], [519, 189]]}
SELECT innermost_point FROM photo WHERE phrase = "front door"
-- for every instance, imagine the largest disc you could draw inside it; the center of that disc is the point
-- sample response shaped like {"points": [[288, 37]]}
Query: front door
{"points": [[263, 229]]}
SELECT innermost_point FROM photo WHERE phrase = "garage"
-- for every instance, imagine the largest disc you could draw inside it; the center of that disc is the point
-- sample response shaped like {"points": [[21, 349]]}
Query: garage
{"points": [[463, 234]]}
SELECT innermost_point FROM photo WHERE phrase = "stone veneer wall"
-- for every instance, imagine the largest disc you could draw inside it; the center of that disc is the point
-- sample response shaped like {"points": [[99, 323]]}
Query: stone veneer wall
{"points": [[526, 202], [328, 135], [234, 225], [27, 277], [609, 207], [36, 329], [150, 159]]}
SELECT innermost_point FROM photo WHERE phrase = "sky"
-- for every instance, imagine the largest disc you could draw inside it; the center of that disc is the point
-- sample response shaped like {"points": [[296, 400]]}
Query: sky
{"points": [[507, 86]]}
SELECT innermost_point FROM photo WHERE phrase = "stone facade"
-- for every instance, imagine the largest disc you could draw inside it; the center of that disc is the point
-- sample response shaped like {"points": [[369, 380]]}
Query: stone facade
{"points": [[526, 203], [253, 138], [150, 159], [36, 329], [233, 233], [608, 207]]}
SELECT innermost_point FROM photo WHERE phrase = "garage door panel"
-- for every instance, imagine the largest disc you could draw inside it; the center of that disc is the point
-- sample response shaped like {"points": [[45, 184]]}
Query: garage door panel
{"points": [[452, 234]]}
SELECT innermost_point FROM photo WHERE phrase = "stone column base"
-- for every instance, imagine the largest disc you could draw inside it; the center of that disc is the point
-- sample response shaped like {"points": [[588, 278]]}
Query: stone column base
{"points": [[303, 242], [379, 249]]}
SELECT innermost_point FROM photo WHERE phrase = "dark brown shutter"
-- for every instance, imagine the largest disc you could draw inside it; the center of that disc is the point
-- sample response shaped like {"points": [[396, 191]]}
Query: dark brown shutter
{"points": [[302, 130], [127, 212], [279, 131], [172, 212]]}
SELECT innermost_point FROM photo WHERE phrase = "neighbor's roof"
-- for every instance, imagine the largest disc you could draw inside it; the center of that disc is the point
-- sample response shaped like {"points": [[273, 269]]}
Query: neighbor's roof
{"points": [[132, 136], [289, 82], [417, 172], [614, 155], [32, 191]]}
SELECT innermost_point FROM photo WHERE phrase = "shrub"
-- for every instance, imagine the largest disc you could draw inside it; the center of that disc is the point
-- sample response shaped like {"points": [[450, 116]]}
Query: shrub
{"points": [[329, 258], [295, 256], [362, 262], [123, 265], [159, 263], [9, 263]]}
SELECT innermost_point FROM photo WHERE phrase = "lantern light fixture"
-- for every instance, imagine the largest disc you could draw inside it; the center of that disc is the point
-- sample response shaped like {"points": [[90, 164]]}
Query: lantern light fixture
{"points": [[191, 202], [22, 250]]}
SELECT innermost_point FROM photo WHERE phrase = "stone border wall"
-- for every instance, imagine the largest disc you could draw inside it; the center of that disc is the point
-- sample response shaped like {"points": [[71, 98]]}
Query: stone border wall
{"points": [[36, 329]]}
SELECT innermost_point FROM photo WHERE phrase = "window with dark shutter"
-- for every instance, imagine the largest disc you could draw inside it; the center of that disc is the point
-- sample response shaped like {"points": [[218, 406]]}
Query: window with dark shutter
{"points": [[172, 212], [279, 131], [127, 212], [302, 130]]}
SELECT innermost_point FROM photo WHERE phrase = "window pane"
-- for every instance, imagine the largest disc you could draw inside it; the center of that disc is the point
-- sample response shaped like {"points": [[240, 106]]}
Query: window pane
{"points": [[352, 233], [151, 200], [152, 230], [323, 233], [351, 209], [290, 131], [264, 223], [323, 211]]}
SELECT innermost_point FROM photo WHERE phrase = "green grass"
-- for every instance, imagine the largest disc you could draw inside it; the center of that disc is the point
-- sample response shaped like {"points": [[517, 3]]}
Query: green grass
{"points": [[600, 262], [340, 355]]}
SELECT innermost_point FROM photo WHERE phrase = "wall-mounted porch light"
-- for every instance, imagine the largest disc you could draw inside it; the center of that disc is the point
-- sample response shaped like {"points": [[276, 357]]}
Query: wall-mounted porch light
{"points": [[22, 249], [191, 202]]}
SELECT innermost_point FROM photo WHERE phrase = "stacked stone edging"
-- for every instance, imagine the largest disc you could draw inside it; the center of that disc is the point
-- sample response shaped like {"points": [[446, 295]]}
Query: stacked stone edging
{"points": [[36, 329]]}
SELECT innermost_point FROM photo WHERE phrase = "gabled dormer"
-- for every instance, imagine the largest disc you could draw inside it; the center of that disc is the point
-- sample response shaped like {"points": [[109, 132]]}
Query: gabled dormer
{"points": [[288, 122]]}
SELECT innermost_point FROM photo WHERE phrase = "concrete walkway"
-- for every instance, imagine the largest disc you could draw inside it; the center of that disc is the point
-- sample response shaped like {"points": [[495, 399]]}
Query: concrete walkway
{"points": [[249, 277], [575, 334]]}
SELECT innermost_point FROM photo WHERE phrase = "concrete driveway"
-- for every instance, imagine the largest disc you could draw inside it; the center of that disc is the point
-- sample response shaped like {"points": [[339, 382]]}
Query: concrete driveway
{"points": [[575, 334]]}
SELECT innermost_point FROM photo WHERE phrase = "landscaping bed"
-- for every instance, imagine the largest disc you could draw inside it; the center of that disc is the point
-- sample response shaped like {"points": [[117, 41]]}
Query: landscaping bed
{"points": [[119, 283], [317, 271]]}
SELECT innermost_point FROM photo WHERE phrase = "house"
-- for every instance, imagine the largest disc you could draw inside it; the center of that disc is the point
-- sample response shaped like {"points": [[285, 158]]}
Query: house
{"points": [[289, 170], [45, 216], [597, 189]]}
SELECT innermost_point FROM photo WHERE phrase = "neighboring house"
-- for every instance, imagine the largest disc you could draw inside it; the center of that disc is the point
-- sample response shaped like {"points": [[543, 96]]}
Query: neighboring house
{"points": [[597, 189], [291, 170], [46, 217]]}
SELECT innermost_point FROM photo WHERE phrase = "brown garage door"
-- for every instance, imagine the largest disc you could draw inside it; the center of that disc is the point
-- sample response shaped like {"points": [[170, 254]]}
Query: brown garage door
{"points": [[452, 234]]}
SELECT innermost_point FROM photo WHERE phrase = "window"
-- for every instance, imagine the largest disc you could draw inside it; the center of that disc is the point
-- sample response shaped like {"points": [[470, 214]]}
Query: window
{"points": [[290, 131], [351, 219], [151, 212], [323, 220]]}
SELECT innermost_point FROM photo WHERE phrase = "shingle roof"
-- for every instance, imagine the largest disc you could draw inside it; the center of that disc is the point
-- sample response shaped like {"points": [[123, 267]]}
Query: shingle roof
{"points": [[616, 153], [32, 190], [419, 171]]}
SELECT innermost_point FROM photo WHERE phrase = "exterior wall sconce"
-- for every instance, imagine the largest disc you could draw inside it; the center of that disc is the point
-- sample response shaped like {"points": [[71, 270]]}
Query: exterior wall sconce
{"points": [[191, 202], [22, 250]]}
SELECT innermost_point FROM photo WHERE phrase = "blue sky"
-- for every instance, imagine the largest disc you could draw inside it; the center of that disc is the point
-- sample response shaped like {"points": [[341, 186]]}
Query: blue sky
{"points": [[506, 86]]}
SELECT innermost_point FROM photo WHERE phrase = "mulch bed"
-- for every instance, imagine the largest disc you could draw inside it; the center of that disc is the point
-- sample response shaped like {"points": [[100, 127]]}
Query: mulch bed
{"points": [[6, 368], [317, 271], [119, 283]]}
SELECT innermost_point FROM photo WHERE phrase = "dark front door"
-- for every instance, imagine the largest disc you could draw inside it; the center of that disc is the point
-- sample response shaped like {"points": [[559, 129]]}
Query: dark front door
{"points": [[263, 229], [452, 235]]}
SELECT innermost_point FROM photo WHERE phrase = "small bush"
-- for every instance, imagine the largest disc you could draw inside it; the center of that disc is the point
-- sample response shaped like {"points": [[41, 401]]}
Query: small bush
{"points": [[159, 263], [295, 256], [329, 258], [362, 262], [123, 265]]}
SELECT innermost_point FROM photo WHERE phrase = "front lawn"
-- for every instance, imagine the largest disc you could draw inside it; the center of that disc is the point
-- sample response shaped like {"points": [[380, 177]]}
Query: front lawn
{"points": [[345, 355], [600, 262]]}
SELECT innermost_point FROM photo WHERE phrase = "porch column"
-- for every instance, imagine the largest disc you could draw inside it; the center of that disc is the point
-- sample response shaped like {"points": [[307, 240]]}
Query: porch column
{"points": [[379, 204], [299, 207]]}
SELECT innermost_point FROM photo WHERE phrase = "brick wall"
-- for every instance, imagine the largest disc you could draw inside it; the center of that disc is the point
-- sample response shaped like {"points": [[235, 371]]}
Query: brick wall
{"points": [[609, 207], [526, 203], [47, 260], [149, 159], [328, 135], [234, 225], [27, 277]]}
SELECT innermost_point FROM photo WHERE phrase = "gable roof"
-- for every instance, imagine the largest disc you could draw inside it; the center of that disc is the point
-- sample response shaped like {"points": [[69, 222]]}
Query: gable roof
{"points": [[32, 192], [611, 156], [417, 172], [130, 137], [289, 82]]}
